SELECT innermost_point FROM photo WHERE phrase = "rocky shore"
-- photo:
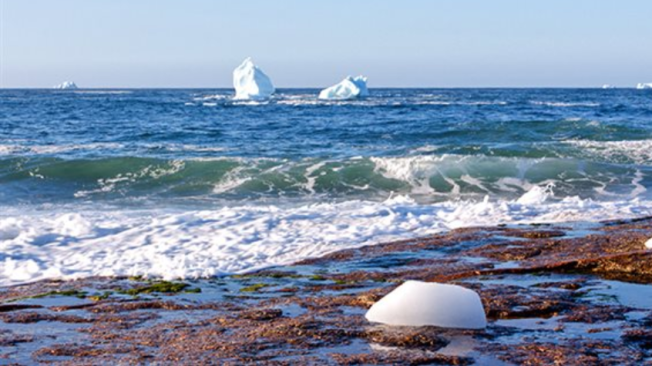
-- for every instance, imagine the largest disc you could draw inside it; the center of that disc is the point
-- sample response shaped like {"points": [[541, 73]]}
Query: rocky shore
{"points": [[553, 294]]}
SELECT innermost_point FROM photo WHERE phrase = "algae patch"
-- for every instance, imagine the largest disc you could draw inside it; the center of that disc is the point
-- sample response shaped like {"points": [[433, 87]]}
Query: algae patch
{"points": [[164, 287]]}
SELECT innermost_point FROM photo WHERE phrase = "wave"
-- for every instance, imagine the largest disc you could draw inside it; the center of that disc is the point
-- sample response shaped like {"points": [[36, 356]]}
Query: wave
{"points": [[565, 104], [426, 178], [79, 241], [627, 151], [378, 100], [103, 92], [21, 148]]}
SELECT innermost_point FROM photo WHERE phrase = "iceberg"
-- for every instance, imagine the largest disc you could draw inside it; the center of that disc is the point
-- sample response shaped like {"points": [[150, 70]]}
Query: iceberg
{"points": [[608, 86], [66, 85], [251, 83], [349, 88], [644, 86], [416, 303]]}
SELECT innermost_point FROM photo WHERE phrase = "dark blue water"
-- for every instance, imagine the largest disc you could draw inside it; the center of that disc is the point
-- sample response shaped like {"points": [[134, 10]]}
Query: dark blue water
{"points": [[189, 183], [433, 144]]}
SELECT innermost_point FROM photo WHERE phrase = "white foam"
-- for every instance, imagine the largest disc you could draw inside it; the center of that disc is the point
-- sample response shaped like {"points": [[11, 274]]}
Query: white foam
{"points": [[211, 97], [566, 104], [415, 170], [433, 102], [152, 171], [250, 102], [416, 303], [536, 195], [17, 148], [78, 241], [638, 151], [104, 92]]}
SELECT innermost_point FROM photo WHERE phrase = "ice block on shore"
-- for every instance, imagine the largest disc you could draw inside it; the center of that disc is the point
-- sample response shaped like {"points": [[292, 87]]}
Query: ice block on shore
{"points": [[416, 303], [648, 243]]}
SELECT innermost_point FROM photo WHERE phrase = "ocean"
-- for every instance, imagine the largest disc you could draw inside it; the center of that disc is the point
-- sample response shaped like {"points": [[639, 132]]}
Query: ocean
{"points": [[190, 183]]}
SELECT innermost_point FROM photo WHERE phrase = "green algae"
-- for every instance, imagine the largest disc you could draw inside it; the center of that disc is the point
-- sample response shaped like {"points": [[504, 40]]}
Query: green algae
{"points": [[254, 288], [71, 293], [164, 287], [103, 296]]}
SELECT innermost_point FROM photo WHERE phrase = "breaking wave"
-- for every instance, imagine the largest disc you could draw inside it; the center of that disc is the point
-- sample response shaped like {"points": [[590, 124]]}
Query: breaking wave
{"points": [[36, 245], [426, 178]]}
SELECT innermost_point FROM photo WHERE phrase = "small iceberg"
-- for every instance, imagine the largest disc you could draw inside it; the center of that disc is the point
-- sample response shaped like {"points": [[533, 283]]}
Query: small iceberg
{"points": [[66, 85], [349, 88], [417, 303], [608, 86], [644, 86], [251, 83]]}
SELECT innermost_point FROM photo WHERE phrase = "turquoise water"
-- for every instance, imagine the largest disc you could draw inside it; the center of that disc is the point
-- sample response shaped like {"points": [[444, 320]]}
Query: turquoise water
{"points": [[183, 183], [198, 144]]}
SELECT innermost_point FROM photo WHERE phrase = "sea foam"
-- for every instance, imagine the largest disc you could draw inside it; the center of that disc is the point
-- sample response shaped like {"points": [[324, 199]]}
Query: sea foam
{"points": [[41, 244]]}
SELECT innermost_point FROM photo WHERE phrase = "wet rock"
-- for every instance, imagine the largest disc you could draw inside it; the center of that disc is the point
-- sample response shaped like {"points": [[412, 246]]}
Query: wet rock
{"points": [[539, 286], [262, 314]]}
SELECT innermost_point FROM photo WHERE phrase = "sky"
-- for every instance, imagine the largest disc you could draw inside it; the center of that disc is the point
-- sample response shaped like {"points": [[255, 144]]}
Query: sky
{"points": [[298, 43]]}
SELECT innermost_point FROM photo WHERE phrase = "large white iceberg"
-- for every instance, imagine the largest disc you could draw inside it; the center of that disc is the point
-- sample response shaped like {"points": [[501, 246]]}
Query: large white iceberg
{"points": [[417, 303], [349, 88], [251, 83], [644, 86], [66, 85]]}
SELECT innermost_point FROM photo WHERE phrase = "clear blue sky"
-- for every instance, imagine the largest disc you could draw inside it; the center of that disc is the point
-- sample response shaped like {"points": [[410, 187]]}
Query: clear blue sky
{"points": [[421, 43]]}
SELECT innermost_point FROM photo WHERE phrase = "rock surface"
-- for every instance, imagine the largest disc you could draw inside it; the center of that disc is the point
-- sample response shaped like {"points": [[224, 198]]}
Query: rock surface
{"points": [[551, 295]]}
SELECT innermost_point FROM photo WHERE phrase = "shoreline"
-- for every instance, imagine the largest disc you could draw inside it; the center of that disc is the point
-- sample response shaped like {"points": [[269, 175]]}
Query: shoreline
{"points": [[552, 293]]}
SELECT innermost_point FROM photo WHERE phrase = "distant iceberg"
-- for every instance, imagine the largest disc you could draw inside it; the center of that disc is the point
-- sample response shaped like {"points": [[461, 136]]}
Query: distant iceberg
{"points": [[66, 85], [608, 86], [644, 86], [251, 83], [349, 88]]}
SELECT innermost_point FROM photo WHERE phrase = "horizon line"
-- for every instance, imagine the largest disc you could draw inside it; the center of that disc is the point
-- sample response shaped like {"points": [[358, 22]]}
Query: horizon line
{"points": [[319, 88]]}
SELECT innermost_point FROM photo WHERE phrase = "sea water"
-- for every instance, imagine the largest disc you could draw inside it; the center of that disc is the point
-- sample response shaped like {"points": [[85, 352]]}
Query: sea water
{"points": [[191, 183]]}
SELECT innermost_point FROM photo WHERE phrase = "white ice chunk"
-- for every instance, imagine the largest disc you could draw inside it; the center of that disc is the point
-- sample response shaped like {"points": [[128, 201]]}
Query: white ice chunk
{"points": [[66, 85], [349, 88], [644, 86], [608, 86], [648, 243], [251, 83], [417, 303]]}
